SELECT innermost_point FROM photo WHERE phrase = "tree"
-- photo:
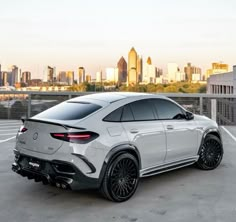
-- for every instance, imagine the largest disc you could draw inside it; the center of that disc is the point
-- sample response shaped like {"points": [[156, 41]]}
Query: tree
{"points": [[202, 89], [171, 89]]}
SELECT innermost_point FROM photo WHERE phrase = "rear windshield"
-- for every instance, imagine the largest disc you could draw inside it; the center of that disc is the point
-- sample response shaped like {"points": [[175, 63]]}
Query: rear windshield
{"points": [[69, 111]]}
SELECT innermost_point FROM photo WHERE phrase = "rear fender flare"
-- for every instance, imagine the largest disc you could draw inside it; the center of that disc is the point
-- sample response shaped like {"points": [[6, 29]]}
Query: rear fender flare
{"points": [[116, 151]]}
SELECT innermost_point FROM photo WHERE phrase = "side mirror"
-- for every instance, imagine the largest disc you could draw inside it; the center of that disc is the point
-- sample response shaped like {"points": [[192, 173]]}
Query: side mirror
{"points": [[189, 115]]}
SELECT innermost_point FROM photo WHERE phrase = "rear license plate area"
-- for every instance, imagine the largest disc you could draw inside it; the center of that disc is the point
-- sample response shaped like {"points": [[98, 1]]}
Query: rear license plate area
{"points": [[34, 164]]}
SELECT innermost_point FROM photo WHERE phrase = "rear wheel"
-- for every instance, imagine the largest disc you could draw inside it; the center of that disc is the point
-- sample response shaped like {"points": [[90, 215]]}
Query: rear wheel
{"points": [[121, 178], [211, 153]]}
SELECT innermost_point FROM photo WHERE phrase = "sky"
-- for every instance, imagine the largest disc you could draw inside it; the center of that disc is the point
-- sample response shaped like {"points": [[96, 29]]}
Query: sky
{"points": [[95, 34]]}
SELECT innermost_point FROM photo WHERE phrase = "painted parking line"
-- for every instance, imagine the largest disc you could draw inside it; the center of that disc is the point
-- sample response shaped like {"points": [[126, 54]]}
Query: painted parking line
{"points": [[7, 124], [4, 130], [13, 121], [229, 133], [4, 127], [8, 134], [2, 141]]}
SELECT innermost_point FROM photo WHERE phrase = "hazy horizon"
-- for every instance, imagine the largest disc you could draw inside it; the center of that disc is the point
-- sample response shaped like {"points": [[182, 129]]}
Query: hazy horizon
{"points": [[69, 34]]}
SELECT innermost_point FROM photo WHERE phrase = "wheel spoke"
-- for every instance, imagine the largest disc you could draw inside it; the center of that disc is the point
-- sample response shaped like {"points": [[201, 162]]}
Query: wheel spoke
{"points": [[123, 178], [211, 153]]}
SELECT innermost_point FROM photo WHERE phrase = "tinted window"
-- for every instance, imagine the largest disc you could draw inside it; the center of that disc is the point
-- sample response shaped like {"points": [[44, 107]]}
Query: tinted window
{"points": [[127, 114], [142, 110], [167, 110], [114, 116], [69, 111]]}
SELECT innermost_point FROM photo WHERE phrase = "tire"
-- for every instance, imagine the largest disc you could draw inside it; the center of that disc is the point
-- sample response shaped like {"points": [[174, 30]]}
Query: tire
{"points": [[210, 153], [121, 178]]}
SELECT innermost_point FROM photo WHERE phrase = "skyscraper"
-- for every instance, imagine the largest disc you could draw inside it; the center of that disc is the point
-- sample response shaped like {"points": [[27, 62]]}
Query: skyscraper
{"points": [[190, 70], [149, 61], [26, 77], [70, 77], [172, 69], [122, 70], [139, 68], [88, 78], [99, 76], [15, 75], [217, 68], [6, 77], [61, 77], [112, 75], [132, 67], [81, 75], [49, 73], [149, 72]]}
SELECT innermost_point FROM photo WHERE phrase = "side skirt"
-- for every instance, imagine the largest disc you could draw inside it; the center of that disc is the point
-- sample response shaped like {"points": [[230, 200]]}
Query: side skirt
{"points": [[167, 167]]}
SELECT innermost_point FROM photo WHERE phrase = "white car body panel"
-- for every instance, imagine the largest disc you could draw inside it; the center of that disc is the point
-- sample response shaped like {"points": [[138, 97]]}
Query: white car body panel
{"points": [[182, 139], [150, 138]]}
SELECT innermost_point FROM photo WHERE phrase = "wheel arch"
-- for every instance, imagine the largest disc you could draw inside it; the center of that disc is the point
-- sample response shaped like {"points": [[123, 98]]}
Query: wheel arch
{"points": [[116, 151], [211, 131]]}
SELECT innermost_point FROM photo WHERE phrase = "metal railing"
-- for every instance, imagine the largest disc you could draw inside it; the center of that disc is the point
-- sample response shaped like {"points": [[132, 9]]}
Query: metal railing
{"points": [[18, 104]]}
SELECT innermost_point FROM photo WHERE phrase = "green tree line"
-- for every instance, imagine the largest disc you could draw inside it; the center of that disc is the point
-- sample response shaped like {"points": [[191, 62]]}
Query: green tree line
{"points": [[178, 87]]}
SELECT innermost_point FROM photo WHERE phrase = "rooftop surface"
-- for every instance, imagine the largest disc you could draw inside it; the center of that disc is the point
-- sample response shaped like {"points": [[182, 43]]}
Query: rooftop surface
{"points": [[183, 195]]}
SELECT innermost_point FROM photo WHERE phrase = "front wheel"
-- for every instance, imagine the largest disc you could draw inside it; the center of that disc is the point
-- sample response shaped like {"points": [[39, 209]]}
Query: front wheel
{"points": [[210, 154], [121, 178]]}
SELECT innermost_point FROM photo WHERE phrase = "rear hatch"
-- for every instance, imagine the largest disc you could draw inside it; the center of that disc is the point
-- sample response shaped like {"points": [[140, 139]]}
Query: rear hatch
{"points": [[58, 120], [37, 136]]}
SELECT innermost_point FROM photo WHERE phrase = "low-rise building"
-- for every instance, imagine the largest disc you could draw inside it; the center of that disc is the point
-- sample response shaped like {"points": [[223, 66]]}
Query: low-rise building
{"points": [[224, 83], [223, 107]]}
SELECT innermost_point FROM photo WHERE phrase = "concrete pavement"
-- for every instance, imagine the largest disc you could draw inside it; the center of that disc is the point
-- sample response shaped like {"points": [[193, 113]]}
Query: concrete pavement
{"points": [[183, 195]]}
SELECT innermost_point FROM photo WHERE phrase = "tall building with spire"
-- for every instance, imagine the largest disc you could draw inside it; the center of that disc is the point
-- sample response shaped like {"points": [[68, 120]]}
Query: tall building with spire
{"points": [[149, 72], [149, 61], [132, 67], [122, 70]]}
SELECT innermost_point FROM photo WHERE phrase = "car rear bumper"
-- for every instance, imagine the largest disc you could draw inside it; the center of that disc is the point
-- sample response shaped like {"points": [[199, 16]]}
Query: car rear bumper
{"points": [[56, 172]]}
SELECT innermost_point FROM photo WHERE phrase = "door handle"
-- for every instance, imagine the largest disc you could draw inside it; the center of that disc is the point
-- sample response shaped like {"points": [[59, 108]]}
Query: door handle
{"points": [[134, 131], [169, 127]]}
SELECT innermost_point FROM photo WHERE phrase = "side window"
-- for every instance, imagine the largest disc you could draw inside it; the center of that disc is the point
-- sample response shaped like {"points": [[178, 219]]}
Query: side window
{"points": [[167, 109], [114, 116], [127, 114], [142, 110]]}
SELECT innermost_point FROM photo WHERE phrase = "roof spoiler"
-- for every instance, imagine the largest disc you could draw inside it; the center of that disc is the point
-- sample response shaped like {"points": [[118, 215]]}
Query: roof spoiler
{"points": [[52, 123]]}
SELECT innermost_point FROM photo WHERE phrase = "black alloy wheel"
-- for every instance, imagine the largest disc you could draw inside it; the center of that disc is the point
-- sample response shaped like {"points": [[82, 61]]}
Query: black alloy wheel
{"points": [[121, 178], [211, 153]]}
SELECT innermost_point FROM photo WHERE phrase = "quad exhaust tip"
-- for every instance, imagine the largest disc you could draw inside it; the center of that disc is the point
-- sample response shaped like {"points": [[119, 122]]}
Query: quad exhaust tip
{"points": [[15, 167], [62, 185]]}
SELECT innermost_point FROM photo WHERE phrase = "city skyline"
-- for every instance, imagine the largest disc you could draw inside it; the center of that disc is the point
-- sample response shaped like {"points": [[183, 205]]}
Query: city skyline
{"points": [[75, 33], [139, 67]]}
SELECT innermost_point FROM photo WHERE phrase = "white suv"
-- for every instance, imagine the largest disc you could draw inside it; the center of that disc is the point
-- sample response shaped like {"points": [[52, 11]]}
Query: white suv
{"points": [[108, 141]]}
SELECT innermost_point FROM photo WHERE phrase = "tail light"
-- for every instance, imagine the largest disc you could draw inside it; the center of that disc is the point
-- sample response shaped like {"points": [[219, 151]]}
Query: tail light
{"points": [[22, 129], [76, 137]]}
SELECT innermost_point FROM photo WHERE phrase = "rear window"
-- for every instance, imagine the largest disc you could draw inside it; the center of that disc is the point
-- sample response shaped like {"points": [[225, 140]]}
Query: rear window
{"points": [[69, 111], [114, 116]]}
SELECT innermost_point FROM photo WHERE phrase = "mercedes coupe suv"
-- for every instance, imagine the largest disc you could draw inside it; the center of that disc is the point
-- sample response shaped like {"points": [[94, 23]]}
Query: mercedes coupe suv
{"points": [[108, 141]]}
